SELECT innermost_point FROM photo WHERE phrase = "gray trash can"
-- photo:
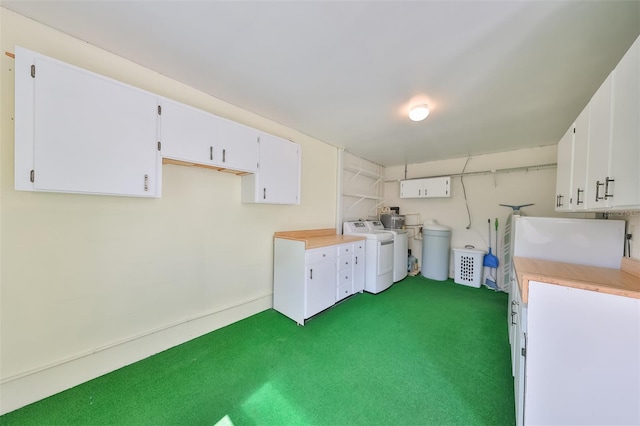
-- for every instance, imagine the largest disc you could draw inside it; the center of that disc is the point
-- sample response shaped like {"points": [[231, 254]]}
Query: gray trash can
{"points": [[436, 243]]}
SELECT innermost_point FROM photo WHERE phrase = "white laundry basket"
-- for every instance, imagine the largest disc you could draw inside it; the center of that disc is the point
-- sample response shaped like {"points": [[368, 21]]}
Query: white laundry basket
{"points": [[468, 266]]}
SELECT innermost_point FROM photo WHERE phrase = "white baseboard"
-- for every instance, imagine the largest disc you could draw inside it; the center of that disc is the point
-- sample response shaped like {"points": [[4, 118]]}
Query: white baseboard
{"points": [[26, 388]]}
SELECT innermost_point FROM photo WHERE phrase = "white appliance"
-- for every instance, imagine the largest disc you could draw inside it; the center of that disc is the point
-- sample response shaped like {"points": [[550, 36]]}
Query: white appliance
{"points": [[595, 242], [400, 248], [378, 255]]}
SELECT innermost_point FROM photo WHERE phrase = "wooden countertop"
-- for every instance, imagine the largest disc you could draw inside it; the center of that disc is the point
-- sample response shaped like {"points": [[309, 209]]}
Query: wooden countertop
{"points": [[622, 282], [314, 238]]}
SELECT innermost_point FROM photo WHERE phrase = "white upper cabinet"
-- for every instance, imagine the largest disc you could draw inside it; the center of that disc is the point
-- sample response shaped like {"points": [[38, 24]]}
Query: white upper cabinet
{"points": [[277, 180], [237, 146], [599, 145], [426, 188], [579, 190], [624, 155], [187, 134], [606, 145], [77, 131], [195, 136], [563, 177]]}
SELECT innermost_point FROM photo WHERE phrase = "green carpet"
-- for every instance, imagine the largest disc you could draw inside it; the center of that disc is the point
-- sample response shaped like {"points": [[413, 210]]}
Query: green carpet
{"points": [[420, 353]]}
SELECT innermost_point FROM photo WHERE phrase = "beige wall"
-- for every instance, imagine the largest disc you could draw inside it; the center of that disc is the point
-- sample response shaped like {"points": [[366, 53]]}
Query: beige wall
{"points": [[484, 193], [92, 283]]}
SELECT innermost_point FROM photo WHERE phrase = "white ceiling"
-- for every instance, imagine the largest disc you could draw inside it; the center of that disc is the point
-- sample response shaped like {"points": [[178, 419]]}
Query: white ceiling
{"points": [[498, 75]]}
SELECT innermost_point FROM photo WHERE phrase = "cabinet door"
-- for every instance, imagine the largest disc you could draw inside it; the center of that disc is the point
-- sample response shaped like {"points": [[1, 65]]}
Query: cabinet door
{"points": [[411, 188], [563, 176], [358, 266], [599, 144], [238, 146], [279, 171], [625, 132], [90, 134], [579, 190], [320, 286], [188, 134], [436, 187]]}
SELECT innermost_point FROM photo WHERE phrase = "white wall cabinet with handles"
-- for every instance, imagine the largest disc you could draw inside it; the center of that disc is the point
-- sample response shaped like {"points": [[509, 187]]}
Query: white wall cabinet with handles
{"points": [[277, 180], [579, 188], [426, 188], [563, 180], [77, 131], [606, 145], [194, 136]]}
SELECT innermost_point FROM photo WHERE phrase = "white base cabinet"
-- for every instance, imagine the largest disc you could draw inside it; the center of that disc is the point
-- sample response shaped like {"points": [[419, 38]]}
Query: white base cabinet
{"points": [[576, 356], [306, 282]]}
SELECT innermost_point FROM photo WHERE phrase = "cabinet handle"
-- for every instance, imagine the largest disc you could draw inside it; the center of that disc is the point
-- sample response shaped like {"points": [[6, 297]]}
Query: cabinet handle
{"points": [[560, 203], [146, 182], [578, 202], [513, 314], [419, 192], [211, 153], [264, 193], [598, 185], [606, 188], [224, 155], [311, 274], [356, 260]]}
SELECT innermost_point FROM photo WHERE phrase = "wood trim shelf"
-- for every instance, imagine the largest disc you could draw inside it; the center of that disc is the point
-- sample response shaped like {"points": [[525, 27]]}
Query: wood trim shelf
{"points": [[204, 166]]}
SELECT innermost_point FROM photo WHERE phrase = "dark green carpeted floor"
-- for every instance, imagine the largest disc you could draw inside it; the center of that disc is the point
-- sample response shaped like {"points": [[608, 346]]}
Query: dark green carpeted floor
{"points": [[420, 353]]}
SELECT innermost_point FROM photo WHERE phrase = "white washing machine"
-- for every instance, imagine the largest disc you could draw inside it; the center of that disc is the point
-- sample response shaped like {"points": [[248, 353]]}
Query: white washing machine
{"points": [[400, 248], [378, 256]]}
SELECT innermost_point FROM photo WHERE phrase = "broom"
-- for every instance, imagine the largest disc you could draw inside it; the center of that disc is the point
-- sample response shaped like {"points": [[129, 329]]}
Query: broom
{"points": [[491, 262]]}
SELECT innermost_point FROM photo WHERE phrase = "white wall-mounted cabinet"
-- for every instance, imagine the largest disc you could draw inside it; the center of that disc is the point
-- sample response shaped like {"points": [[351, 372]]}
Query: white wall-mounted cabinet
{"points": [[563, 180], [237, 146], [579, 190], [77, 131], [606, 145], [194, 136], [599, 145], [80, 132], [622, 179], [277, 180], [426, 188], [188, 134]]}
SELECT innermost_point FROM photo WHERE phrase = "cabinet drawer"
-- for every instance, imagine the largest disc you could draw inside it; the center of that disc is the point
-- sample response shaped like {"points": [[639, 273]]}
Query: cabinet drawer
{"points": [[320, 254], [345, 262], [345, 277], [343, 291], [345, 249]]}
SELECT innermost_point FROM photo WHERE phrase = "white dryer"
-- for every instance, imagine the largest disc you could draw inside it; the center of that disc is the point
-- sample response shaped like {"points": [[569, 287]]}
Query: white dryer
{"points": [[378, 256], [400, 248]]}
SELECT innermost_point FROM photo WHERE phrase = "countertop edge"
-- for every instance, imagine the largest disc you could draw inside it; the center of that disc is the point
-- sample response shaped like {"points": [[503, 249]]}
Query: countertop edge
{"points": [[602, 280]]}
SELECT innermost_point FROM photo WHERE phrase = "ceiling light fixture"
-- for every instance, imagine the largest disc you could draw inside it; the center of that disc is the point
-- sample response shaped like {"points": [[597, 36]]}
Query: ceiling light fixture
{"points": [[419, 112]]}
